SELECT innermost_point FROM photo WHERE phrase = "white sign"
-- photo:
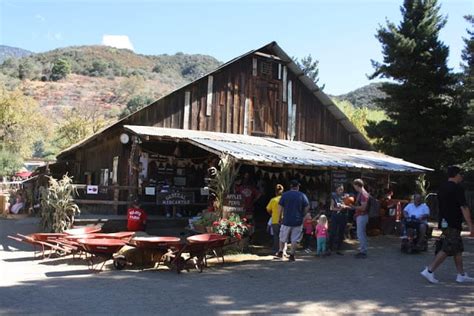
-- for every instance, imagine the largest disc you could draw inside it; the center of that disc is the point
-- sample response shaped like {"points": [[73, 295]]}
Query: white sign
{"points": [[92, 189], [149, 190]]}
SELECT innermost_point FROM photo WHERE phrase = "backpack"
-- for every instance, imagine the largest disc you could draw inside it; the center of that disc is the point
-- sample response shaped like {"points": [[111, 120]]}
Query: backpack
{"points": [[373, 207]]}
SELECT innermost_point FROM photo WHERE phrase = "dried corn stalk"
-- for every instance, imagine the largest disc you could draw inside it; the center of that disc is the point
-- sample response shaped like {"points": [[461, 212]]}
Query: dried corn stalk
{"points": [[57, 206], [222, 183]]}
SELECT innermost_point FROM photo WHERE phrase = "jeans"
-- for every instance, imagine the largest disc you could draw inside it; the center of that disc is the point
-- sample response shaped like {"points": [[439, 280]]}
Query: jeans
{"points": [[362, 221], [337, 229], [307, 238], [276, 237], [321, 245]]}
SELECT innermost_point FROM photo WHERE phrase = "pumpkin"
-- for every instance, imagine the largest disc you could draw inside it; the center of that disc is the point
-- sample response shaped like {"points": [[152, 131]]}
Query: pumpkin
{"points": [[349, 200]]}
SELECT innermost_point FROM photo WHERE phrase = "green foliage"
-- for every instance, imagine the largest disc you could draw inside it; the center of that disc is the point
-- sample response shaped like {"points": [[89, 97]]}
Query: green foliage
{"points": [[57, 205], [365, 96], [221, 184], [233, 226], [61, 68], [420, 99], [136, 103], [21, 122], [10, 162], [360, 116], [310, 68], [462, 146]]}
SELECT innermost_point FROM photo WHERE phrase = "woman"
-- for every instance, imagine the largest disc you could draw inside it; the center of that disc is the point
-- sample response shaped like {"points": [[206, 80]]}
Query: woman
{"points": [[361, 217], [338, 219], [272, 209]]}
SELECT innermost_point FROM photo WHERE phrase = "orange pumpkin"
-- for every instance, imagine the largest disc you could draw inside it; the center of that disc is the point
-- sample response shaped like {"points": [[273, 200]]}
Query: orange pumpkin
{"points": [[349, 200]]}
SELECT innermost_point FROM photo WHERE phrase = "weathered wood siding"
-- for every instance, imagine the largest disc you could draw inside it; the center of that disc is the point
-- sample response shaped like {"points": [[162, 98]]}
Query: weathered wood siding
{"points": [[266, 95]]}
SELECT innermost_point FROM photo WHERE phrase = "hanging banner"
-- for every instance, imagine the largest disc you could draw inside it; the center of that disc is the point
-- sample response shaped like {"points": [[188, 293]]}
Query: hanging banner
{"points": [[338, 178]]}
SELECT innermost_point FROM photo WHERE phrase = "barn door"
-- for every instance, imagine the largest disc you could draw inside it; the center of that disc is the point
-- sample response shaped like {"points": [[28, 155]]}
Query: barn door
{"points": [[264, 108]]}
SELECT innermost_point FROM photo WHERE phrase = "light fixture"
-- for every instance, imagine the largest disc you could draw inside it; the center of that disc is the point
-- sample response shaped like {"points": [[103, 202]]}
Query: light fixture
{"points": [[124, 138]]}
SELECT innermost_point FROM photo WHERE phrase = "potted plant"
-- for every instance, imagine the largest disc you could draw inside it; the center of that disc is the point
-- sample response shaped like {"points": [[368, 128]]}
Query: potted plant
{"points": [[222, 183]]}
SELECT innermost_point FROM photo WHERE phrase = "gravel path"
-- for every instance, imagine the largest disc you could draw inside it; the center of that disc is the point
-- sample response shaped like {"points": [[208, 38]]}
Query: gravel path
{"points": [[388, 282]]}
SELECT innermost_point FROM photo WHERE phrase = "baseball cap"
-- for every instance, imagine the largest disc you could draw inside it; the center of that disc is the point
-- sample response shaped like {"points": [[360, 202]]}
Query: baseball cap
{"points": [[294, 183]]}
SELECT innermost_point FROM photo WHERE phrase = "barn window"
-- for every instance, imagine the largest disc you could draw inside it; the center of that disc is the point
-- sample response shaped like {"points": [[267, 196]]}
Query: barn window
{"points": [[266, 69]]}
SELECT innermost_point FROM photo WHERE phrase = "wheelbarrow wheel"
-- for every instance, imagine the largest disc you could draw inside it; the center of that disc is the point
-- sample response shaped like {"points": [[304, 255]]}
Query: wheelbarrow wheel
{"points": [[180, 264], [119, 264]]}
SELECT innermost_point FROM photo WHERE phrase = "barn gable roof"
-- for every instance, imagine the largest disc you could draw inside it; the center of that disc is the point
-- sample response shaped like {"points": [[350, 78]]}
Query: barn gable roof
{"points": [[270, 50]]}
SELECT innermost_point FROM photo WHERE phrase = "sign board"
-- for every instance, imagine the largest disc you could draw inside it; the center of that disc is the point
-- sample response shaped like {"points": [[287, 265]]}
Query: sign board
{"points": [[175, 198], [338, 178], [92, 189], [233, 203]]}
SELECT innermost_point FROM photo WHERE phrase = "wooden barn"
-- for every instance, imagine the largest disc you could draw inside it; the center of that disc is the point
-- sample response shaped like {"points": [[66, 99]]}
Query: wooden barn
{"points": [[262, 94]]}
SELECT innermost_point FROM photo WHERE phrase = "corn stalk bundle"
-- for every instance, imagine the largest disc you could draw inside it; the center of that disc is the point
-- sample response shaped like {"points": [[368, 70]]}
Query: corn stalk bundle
{"points": [[221, 184], [57, 206]]}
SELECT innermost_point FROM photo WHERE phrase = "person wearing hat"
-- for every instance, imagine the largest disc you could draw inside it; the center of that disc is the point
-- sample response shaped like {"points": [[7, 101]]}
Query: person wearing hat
{"points": [[452, 209], [293, 206]]}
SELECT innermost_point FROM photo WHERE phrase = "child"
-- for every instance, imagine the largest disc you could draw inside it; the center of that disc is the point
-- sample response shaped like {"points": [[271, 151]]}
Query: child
{"points": [[321, 235], [308, 230], [136, 217]]}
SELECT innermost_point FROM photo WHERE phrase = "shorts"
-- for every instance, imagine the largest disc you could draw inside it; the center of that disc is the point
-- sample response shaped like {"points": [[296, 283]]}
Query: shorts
{"points": [[291, 233], [451, 242]]}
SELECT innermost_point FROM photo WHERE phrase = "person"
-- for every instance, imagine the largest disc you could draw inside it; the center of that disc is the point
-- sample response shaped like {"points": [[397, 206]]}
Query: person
{"points": [[249, 193], [293, 205], [308, 232], [273, 209], [361, 217], [18, 205], [416, 216], [321, 235], [338, 219], [452, 209], [136, 217]]}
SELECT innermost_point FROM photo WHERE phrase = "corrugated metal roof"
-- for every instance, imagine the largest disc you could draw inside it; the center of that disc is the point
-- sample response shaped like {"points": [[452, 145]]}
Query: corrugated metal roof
{"points": [[272, 151]]}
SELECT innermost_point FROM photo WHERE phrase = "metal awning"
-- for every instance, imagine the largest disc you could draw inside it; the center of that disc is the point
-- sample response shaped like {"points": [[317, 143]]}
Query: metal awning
{"points": [[274, 152]]}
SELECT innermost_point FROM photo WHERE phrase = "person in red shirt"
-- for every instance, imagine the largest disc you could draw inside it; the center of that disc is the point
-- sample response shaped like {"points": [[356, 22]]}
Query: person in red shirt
{"points": [[136, 217]]}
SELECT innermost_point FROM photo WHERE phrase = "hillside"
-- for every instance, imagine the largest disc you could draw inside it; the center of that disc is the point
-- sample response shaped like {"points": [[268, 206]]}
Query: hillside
{"points": [[12, 52], [364, 96]]}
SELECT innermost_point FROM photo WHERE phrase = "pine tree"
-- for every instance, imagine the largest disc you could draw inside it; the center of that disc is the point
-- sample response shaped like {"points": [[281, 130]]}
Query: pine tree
{"points": [[462, 146], [310, 68], [420, 99]]}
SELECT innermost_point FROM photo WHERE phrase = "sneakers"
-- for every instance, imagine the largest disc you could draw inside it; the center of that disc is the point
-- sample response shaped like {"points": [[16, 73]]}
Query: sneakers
{"points": [[179, 215], [307, 250], [461, 278], [279, 254], [431, 278], [291, 258], [360, 255]]}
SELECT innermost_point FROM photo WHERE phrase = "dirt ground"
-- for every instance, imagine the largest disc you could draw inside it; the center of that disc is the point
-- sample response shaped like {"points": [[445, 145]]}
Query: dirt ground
{"points": [[387, 282]]}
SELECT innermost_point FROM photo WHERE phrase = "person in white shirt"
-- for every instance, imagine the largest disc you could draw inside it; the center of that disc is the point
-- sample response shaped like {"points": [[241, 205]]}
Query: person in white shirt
{"points": [[416, 216]]}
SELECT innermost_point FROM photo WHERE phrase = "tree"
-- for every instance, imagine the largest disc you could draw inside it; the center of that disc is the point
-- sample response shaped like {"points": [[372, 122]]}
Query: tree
{"points": [[420, 101], [136, 103], [310, 68], [21, 122], [61, 68], [9, 162], [462, 146]]}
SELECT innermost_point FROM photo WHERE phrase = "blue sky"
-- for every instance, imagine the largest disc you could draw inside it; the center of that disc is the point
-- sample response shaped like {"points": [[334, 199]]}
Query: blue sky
{"points": [[339, 33]]}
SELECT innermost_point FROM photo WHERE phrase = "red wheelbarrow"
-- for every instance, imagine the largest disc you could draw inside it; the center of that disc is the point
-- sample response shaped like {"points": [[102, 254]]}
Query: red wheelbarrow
{"points": [[197, 247], [148, 251], [45, 242], [100, 250]]}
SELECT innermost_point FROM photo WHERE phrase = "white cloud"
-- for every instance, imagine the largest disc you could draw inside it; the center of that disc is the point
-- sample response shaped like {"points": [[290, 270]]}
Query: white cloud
{"points": [[117, 41], [40, 17], [58, 36]]}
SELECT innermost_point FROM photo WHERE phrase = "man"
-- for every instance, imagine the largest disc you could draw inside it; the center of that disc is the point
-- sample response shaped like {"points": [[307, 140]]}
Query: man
{"points": [[452, 209], [416, 216], [293, 206], [361, 216]]}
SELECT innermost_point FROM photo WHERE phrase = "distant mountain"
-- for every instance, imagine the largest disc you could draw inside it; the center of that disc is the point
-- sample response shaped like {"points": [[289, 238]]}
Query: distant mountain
{"points": [[15, 52], [364, 96]]}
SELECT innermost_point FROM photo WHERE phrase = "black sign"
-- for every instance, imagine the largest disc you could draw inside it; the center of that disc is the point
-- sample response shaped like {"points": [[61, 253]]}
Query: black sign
{"points": [[175, 198], [338, 178]]}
